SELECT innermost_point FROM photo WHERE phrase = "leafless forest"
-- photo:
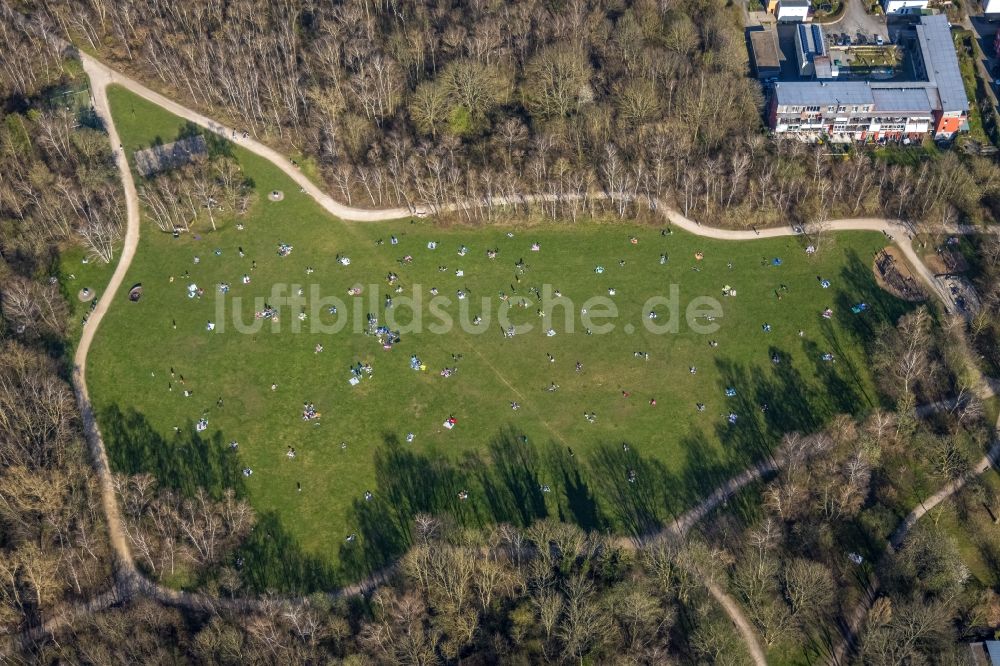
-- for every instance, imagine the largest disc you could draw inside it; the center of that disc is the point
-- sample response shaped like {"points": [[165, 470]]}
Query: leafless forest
{"points": [[420, 104]]}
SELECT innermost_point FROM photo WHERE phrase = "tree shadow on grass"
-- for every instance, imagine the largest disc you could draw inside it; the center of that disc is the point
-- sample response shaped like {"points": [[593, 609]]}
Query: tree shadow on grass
{"points": [[748, 439], [577, 502], [413, 483], [859, 286], [512, 482], [185, 462], [88, 117], [638, 506], [862, 328], [793, 404], [845, 391], [505, 488], [705, 469], [269, 559], [747, 505], [407, 483], [217, 145]]}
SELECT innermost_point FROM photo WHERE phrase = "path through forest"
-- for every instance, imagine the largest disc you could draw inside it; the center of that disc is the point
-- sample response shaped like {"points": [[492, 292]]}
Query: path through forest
{"points": [[130, 581]]}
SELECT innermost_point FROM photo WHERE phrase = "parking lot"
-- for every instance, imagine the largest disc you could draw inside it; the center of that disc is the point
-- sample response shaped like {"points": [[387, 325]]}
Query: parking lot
{"points": [[857, 23], [857, 55], [836, 38]]}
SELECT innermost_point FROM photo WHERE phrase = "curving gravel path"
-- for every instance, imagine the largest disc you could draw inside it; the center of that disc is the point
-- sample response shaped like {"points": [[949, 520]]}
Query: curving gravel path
{"points": [[96, 443], [735, 613], [130, 582], [852, 627], [101, 76]]}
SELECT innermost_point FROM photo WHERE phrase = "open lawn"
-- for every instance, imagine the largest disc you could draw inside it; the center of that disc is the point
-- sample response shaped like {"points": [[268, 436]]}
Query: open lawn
{"points": [[502, 457], [978, 547]]}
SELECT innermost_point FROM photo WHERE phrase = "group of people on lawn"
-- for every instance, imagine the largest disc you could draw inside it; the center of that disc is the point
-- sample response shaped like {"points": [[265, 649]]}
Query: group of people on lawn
{"points": [[387, 338]]}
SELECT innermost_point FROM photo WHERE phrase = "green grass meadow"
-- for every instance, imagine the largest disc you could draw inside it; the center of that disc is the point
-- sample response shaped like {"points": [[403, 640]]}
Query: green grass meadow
{"points": [[501, 456]]}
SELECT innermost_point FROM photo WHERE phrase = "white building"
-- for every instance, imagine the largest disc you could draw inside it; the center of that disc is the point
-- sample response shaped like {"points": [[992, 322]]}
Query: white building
{"points": [[908, 6], [793, 11], [991, 7]]}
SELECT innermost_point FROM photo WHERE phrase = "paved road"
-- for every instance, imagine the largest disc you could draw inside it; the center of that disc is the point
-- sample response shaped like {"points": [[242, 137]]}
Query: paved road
{"points": [[985, 32]]}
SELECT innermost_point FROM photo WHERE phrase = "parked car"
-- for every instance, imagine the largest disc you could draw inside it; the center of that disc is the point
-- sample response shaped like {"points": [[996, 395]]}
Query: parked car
{"points": [[879, 41]]}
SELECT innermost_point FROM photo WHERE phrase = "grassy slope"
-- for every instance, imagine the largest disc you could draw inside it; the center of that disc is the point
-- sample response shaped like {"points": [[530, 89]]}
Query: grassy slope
{"points": [[137, 346]]}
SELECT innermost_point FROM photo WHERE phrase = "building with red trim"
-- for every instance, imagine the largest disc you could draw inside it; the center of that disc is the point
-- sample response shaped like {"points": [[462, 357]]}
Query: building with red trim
{"points": [[935, 104]]}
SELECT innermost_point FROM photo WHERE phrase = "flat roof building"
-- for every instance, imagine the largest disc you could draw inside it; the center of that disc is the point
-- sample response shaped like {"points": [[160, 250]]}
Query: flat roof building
{"points": [[875, 110], [793, 11], [993, 650], [766, 57]]}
